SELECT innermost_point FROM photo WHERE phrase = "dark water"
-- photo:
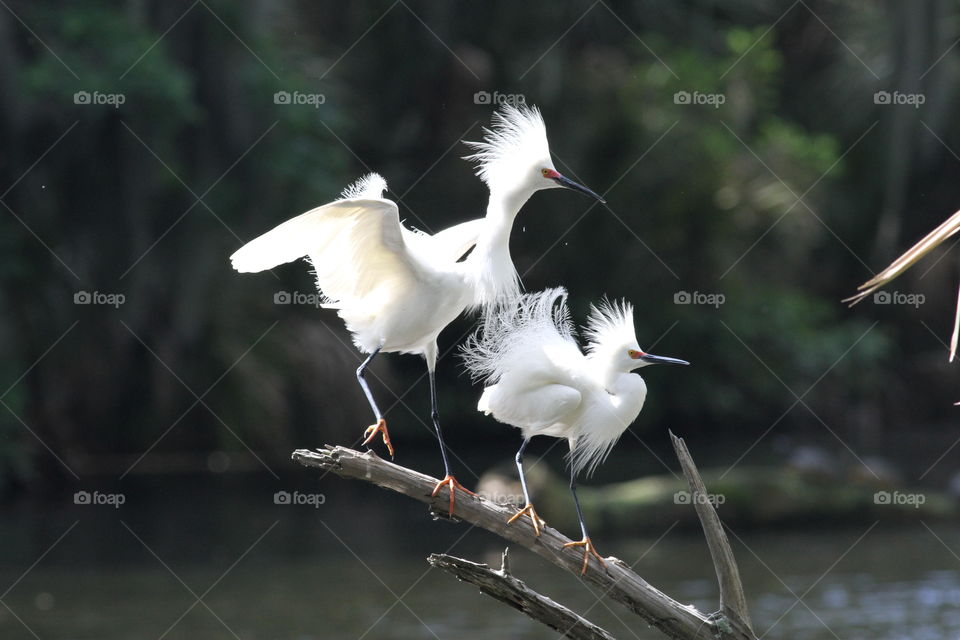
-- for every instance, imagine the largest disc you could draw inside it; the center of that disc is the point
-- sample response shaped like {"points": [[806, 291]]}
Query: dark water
{"points": [[177, 561]]}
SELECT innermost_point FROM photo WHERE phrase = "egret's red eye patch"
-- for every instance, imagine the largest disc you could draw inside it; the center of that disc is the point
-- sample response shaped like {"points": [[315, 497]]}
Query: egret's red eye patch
{"points": [[550, 173]]}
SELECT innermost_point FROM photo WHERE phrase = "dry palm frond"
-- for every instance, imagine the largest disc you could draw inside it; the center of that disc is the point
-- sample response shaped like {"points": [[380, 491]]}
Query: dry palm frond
{"points": [[904, 262], [956, 328], [932, 240]]}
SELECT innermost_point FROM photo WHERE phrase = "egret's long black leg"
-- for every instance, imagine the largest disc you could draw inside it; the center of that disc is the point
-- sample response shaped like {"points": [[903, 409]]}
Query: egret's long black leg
{"points": [[528, 506], [365, 386], [435, 416], [448, 480], [381, 424], [586, 543], [576, 501], [523, 480]]}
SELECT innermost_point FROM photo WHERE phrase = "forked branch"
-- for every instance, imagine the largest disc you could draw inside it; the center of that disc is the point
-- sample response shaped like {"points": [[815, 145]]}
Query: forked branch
{"points": [[617, 581], [513, 592]]}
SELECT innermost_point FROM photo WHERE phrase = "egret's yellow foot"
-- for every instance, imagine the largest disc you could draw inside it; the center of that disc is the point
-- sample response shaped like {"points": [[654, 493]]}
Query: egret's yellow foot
{"points": [[453, 484], [373, 430], [588, 550], [535, 519]]}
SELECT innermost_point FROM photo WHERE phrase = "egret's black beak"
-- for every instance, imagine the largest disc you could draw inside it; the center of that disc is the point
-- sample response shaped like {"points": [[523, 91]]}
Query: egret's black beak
{"points": [[567, 183], [652, 359]]}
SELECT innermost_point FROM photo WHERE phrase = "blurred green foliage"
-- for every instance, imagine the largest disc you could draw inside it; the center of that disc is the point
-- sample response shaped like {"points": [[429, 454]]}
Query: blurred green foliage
{"points": [[150, 198]]}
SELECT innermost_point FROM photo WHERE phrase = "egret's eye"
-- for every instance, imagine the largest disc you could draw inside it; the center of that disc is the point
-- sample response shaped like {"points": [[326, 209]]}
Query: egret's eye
{"points": [[633, 353], [545, 173]]}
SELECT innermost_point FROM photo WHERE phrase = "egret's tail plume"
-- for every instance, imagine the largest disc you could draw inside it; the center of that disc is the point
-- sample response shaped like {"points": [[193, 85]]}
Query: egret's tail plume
{"points": [[291, 240], [510, 330]]}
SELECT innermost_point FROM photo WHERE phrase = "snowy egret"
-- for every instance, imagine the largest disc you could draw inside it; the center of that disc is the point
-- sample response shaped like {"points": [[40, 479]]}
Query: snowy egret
{"points": [[541, 382], [396, 288]]}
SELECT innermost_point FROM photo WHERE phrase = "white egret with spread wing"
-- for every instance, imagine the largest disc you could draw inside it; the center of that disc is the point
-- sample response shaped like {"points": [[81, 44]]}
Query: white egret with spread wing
{"points": [[396, 288], [540, 381]]}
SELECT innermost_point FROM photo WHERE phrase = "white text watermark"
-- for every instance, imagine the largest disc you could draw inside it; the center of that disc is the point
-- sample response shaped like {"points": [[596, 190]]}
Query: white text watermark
{"points": [[296, 498], [896, 98], [485, 97], [685, 497], [299, 98], [99, 298], [899, 298], [711, 99], [97, 498], [697, 297], [98, 98], [898, 498]]}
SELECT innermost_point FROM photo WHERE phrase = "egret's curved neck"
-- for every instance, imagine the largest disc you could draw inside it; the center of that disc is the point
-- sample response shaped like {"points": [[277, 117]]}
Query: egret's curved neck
{"points": [[490, 266], [606, 372]]}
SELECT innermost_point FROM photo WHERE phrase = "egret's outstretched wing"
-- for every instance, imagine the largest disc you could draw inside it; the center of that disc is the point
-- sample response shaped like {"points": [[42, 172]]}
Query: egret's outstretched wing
{"points": [[453, 242], [356, 246]]}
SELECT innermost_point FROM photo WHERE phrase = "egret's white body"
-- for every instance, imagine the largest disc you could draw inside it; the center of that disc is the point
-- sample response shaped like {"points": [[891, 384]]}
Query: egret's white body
{"points": [[540, 381], [396, 288]]}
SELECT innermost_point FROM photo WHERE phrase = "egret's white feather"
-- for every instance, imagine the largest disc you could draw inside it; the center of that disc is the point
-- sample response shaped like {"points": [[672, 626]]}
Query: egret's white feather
{"points": [[397, 289], [510, 160], [609, 325], [365, 261], [446, 246], [508, 330], [295, 238], [371, 185], [539, 380], [493, 276], [365, 234], [514, 144], [524, 350], [592, 446]]}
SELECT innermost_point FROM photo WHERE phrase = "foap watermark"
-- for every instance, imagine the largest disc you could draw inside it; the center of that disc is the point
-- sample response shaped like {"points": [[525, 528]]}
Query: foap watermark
{"points": [[299, 98], [99, 298], [697, 297], [896, 98], [299, 499], [899, 298], [898, 498], [298, 297], [485, 97], [685, 497], [99, 98], [96, 498], [504, 499], [711, 99]]}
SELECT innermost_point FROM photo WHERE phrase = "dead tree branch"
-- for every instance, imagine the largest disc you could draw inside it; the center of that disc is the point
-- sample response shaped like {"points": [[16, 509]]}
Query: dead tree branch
{"points": [[733, 604], [509, 590], [616, 579]]}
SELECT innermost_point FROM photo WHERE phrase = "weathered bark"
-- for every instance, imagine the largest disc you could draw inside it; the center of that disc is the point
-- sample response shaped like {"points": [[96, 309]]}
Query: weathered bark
{"points": [[509, 590], [616, 579], [733, 603]]}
